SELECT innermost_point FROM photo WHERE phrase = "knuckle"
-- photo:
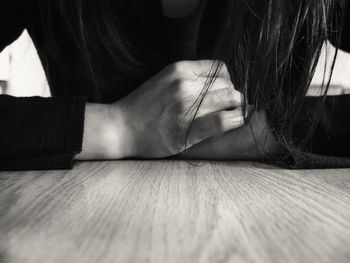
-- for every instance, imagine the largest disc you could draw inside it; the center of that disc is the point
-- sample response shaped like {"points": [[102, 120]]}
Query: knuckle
{"points": [[225, 70], [239, 97], [223, 65], [170, 68], [182, 88], [225, 96], [177, 67], [233, 95]]}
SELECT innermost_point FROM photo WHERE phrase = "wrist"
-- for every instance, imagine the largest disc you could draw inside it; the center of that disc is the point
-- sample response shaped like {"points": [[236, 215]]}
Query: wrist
{"points": [[103, 134]]}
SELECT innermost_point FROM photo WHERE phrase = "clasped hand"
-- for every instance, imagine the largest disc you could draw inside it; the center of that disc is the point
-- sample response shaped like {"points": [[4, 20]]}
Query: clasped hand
{"points": [[164, 117]]}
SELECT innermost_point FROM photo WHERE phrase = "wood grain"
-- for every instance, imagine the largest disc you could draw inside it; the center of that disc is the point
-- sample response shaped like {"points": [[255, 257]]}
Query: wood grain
{"points": [[175, 211]]}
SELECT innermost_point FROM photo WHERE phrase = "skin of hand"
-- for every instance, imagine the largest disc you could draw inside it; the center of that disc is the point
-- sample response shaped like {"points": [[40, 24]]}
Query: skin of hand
{"points": [[153, 121], [252, 141]]}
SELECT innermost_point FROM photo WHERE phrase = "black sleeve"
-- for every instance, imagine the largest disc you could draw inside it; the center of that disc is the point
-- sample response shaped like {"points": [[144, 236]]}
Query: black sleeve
{"points": [[35, 133], [12, 20], [329, 145]]}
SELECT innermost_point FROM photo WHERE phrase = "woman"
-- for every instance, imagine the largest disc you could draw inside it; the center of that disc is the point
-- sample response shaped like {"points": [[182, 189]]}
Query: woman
{"points": [[160, 78]]}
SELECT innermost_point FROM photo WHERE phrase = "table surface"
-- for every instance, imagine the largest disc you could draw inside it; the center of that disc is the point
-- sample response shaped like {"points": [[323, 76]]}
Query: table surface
{"points": [[175, 211]]}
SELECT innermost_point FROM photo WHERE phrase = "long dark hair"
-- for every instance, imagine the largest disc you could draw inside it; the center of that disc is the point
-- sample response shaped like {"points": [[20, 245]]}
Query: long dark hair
{"points": [[271, 47]]}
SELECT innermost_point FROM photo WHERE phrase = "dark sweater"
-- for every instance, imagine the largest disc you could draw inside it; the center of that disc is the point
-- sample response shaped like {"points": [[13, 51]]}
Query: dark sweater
{"points": [[46, 133]]}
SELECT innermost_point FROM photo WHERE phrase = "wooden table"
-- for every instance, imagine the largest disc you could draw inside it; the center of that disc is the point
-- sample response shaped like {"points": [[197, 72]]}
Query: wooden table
{"points": [[175, 211]]}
